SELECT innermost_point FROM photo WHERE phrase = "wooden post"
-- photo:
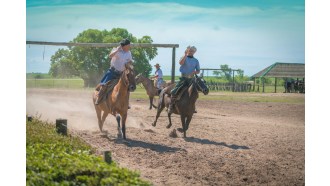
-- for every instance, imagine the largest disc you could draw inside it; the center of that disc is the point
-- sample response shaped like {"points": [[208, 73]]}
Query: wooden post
{"points": [[107, 156], [233, 81], [254, 83], [29, 118], [275, 84], [173, 65], [61, 126], [263, 84]]}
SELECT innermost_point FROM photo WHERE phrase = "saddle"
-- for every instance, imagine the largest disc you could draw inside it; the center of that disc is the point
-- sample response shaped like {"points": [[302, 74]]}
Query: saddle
{"points": [[108, 89]]}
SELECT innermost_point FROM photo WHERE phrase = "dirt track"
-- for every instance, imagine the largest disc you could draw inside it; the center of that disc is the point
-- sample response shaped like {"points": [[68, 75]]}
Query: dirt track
{"points": [[229, 143]]}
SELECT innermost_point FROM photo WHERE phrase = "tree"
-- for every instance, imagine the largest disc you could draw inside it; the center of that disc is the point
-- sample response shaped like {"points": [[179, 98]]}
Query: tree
{"points": [[91, 63], [224, 73]]}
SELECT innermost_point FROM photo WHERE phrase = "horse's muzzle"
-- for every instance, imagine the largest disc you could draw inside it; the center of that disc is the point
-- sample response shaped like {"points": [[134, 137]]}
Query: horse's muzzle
{"points": [[131, 88], [205, 91]]}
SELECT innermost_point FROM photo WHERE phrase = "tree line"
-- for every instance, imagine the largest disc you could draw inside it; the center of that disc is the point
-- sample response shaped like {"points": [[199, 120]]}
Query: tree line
{"points": [[91, 63]]}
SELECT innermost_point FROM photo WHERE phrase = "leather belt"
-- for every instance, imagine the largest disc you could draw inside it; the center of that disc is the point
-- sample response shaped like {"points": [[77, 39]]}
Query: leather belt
{"points": [[115, 70]]}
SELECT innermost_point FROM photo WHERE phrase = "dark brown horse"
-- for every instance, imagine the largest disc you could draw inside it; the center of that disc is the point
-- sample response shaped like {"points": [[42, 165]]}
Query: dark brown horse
{"points": [[185, 105], [151, 90], [117, 101]]}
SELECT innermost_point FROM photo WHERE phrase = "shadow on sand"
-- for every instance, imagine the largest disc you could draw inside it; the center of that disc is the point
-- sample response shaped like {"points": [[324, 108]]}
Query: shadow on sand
{"points": [[206, 141], [154, 147]]}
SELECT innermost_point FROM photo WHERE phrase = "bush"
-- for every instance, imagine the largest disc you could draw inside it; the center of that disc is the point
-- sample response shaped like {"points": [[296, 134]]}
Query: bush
{"points": [[53, 159]]}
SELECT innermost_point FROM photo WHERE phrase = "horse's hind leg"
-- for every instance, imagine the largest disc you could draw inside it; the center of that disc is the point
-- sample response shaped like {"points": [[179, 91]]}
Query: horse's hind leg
{"points": [[170, 121], [123, 128], [120, 134], [159, 110]]}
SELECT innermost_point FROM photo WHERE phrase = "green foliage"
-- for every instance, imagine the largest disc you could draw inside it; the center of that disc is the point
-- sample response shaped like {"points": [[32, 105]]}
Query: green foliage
{"points": [[225, 75], [37, 76], [53, 159], [90, 64]]}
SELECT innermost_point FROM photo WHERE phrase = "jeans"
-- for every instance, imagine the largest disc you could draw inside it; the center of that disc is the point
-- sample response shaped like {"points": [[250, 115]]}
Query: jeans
{"points": [[109, 75]]}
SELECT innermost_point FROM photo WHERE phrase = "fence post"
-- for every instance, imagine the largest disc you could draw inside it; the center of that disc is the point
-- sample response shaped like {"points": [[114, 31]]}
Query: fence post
{"points": [[107, 156], [61, 126]]}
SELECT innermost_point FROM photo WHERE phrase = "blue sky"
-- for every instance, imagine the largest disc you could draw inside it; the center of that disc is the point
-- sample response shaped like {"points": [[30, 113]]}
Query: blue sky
{"points": [[245, 34]]}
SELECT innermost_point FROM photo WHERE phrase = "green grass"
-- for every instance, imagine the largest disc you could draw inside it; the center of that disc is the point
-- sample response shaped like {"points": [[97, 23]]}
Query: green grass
{"points": [[55, 83], [140, 92], [53, 159]]}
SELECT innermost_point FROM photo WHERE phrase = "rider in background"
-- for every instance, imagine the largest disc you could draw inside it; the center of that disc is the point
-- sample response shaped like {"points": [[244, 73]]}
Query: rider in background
{"points": [[159, 78], [189, 67]]}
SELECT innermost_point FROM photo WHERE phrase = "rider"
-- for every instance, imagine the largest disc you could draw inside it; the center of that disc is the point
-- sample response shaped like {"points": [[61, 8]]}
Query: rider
{"points": [[119, 57], [189, 67], [159, 77]]}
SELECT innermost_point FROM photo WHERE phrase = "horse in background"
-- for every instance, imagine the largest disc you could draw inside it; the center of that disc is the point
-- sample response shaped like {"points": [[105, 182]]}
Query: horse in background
{"points": [[116, 102], [185, 104], [150, 88]]}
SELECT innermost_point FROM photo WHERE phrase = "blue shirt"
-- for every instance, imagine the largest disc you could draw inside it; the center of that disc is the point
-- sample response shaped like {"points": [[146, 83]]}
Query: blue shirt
{"points": [[190, 64]]}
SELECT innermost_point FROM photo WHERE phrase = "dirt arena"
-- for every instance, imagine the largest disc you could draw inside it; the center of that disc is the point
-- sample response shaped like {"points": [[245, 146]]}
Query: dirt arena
{"points": [[228, 143]]}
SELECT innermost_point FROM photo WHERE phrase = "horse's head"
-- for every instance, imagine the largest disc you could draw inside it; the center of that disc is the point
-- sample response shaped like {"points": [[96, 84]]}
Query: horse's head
{"points": [[201, 85], [129, 76], [139, 78]]}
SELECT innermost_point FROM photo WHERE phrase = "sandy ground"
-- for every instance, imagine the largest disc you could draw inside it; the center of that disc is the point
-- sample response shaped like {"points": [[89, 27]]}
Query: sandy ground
{"points": [[228, 143]]}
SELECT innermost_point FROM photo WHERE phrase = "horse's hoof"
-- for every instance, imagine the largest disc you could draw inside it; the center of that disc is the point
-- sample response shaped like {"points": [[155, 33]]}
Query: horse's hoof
{"points": [[119, 136], [180, 130], [168, 126], [153, 124]]}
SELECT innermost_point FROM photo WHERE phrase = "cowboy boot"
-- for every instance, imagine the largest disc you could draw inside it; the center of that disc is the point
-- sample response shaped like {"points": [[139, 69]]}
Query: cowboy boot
{"points": [[171, 106], [102, 89]]}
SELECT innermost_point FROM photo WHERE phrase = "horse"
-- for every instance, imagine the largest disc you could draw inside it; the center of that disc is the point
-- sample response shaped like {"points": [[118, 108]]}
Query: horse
{"points": [[117, 101], [185, 105], [151, 90]]}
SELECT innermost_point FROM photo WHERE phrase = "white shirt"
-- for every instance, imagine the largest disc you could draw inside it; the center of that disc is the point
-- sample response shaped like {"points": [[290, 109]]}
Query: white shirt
{"points": [[119, 60]]}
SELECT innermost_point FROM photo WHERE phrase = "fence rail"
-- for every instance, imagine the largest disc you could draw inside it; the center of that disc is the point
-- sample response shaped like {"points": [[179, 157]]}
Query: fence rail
{"points": [[213, 86]]}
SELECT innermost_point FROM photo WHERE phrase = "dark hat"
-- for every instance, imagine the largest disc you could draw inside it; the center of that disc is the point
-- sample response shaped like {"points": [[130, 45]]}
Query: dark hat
{"points": [[157, 64], [125, 42]]}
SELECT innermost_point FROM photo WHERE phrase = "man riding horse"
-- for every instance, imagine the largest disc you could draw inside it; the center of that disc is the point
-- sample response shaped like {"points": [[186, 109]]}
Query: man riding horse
{"points": [[189, 67], [119, 57], [159, 78]]}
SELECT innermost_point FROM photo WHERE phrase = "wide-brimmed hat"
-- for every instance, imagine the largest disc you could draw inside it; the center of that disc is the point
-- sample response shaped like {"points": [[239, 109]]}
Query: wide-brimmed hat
{"points": [[125, 42], [157, 65]]}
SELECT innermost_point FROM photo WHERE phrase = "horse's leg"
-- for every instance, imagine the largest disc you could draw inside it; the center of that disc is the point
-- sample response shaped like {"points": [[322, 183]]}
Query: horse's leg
{"points": [[159, 110], [120, 134], [104, 116], [170, 121], [183, 122], [123, 122], [187, 125], [98, 114], [161, 106], [151, 100]]}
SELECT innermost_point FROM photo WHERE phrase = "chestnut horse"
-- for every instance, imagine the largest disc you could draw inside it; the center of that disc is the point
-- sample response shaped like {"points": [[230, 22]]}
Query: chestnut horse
{"points": [[151, 90], [117, 101], [185, 105]]}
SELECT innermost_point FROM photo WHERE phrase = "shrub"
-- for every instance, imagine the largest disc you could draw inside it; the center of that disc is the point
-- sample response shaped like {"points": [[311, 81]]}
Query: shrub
{"points": [[53, 159]]}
